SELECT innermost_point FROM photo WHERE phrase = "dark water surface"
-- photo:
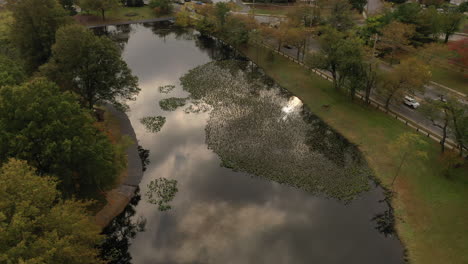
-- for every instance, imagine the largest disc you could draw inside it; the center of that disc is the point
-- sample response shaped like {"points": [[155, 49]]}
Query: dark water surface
{"points": [[227, 217]]}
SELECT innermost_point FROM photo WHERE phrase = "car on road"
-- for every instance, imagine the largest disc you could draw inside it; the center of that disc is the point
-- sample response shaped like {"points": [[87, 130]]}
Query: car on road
{"points": [[411, 102], [287, 46]]}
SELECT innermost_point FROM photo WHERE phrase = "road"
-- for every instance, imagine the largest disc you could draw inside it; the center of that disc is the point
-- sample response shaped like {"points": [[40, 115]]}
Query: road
{"points": [[431, 91]]}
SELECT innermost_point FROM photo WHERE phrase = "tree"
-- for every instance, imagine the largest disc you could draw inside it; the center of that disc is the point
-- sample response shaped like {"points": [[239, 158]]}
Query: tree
{"points": [[459, 122], [50, 130], [358, 4], [410, 76], [134, 3], [221, 12], [395, 36], [428, 27], [407, 146], [68, 5], [10, 72], [301, 15], [297, 38], [338, 55], [438, 112], [340, 17], [161, 7], [39, 227], [450, 23], [237, 29], [91, 66], [34, 27], [434, 51], [101, 6], [183, 18]]}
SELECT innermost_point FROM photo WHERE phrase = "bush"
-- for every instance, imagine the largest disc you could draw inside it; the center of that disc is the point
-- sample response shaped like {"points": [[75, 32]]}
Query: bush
{"points": [[161, 7], [134, 3]]}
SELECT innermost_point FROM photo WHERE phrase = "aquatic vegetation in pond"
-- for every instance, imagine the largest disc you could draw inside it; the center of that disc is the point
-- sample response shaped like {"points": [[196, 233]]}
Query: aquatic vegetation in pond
{"points": [[257, 128], [171, 104], [160, 192], [166, 88], [153, 123], [197, 106]]}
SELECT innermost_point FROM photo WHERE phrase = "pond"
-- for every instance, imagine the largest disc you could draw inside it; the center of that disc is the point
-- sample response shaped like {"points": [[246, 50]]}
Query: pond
{"points": [[260, 179]]}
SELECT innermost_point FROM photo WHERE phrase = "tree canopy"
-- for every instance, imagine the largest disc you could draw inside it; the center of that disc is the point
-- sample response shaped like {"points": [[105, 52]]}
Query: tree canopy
{"points": [[39, 227], [91, 66], [101, 6], [34, 26], [49, 129], [10, 72]]}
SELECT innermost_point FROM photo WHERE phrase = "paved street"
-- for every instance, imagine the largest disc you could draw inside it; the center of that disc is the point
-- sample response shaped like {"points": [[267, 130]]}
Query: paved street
{"points": [[431, 91]]}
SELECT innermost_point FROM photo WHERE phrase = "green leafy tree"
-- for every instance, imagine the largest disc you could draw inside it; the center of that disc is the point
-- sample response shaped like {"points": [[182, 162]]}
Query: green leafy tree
{"points": [[91, 66], [69, 5], [450, 23], [407, 146], [33, 28], [49, 129], [338, 54], [39, 227], [221, 12], [101, 6], [438, 112], [358, 4], [10, 72], [459, 122], [409, 76], [340, 17]]}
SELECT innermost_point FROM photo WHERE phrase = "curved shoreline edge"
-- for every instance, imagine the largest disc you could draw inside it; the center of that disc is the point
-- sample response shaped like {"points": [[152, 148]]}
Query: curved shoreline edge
{"points": [[119, 197]]}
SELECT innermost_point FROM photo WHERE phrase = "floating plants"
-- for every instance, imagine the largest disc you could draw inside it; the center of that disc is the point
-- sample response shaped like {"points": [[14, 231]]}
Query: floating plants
{"points": [[171, 104], [161, 192], [166, 88], [153, 123], [256, 127]]}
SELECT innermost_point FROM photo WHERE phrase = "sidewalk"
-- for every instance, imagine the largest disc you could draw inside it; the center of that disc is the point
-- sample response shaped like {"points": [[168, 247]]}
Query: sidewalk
{"points": [[119, 197]]}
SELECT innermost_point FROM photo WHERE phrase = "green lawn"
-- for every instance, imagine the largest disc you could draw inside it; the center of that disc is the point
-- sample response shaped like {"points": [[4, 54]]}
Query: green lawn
{"points": [[452, 79], [138, 13], [264, 11], [118, 15], [431, 210]]}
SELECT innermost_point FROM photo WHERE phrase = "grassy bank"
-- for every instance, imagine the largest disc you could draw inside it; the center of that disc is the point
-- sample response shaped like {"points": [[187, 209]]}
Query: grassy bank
{"points": [[118, 15], [430, 209], [451, 79]]}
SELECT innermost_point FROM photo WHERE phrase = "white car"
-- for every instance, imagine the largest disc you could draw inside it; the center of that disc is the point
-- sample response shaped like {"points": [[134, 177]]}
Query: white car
{"points": [[411, 102]]}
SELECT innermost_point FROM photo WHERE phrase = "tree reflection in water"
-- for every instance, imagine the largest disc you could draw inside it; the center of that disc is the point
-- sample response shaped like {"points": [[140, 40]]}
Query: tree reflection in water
{"points": [[123, 228], [120, 232]]}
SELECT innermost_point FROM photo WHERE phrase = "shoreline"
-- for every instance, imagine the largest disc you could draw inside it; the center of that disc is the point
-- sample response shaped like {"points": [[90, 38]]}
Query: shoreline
{"points": [[119, 197]]}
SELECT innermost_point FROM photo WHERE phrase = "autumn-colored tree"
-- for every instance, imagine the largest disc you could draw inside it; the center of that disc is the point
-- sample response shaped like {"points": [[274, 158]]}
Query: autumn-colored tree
{"points": [[434, 52], [407, 146], [301, 15], [297, 38], [460, 48], [37, 226], [396, 36], [409, 76]]}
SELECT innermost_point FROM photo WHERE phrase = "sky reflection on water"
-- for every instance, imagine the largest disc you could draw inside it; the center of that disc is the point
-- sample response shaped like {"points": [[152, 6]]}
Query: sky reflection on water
{"points": [[222, 216]]}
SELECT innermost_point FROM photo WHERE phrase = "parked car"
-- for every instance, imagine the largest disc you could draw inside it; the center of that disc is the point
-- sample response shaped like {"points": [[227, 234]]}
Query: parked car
{"points": [[287, 46], [411, 102]]}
